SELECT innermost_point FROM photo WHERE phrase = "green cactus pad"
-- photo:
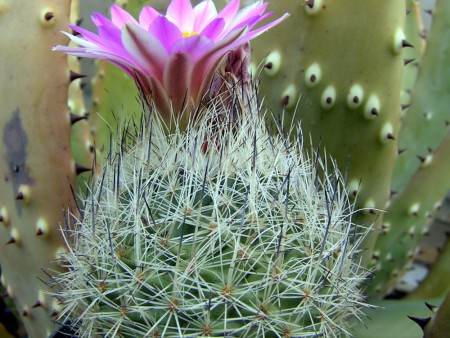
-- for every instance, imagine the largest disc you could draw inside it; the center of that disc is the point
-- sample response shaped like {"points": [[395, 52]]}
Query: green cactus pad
{"points": [[36, 166]]}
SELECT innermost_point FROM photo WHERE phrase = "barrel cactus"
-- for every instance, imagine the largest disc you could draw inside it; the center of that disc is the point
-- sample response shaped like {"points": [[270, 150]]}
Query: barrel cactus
{"points": [[194, 234]]}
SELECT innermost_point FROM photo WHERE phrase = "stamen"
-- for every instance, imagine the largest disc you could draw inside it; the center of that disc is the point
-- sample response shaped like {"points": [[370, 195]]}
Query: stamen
{"points": [[189, 34]]}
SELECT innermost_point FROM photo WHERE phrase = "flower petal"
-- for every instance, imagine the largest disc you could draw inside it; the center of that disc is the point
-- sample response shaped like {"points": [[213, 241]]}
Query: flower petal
{"points": [[178, 67], [180, 12], [165, 31], [195, 46], [256, 8], [229, 11], [145, 50], [120, 17], [89, 36], [214, 29], [206, 65], [253, 34], [159, 96], [147, 15], [99, 19], [204, 13]]}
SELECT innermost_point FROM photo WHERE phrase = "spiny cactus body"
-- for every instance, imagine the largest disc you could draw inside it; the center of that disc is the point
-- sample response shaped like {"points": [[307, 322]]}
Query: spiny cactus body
{"points": [[36, 167], [213, 232]]}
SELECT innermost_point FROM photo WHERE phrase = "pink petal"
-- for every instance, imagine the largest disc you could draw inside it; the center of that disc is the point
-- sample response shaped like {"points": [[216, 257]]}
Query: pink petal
{"points": [[259, 31], [159, 96], [229, 11], [206, 65], [204, 13], [214, 29], [180, 12], [147, 15], [89, 36], [145, 50], [110, 37], [177, 77], [99, 19], [252, 21], [120, 17], [248, 12], [195, 46], [165, 31]]}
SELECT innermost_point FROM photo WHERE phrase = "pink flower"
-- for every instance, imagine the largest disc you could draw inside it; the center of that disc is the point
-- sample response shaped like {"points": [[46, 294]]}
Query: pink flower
{"points": [[173, 57]]}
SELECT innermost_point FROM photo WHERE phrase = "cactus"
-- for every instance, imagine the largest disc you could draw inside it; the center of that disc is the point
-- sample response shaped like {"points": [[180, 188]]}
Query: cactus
{"points": [[182, 238], [36, 166], [312, 65], [421, 176], [347, 74], [438, 325]]}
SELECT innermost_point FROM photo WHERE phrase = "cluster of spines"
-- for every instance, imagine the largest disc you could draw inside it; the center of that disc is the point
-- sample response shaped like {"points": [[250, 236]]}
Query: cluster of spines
{"points": [[182, 239]]}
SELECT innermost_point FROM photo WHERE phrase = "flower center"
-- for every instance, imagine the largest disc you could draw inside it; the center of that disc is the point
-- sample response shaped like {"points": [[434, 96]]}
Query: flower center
{"points": [[189, 34]]}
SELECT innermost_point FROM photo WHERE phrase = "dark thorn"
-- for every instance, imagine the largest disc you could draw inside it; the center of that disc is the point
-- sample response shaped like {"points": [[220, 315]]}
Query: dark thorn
{"points": [[422, 322], [408, 11], [19, 196], [309, 3], [390, 136], [79, 21], [285, 101], [25, 313], [75, 76], [431, 307], [423, 35], [268, 65], [401, 150], [1, 218], [429, 11], [329, 100], [313, 78], [408, 61], [421, 158], [75, 118], [355, 99], [392, 193], [374, 112], [11, 240], [39, 232], [79, 169], [48, 16], [447, 123], [405, 106], [37, 304], [406, 44]]}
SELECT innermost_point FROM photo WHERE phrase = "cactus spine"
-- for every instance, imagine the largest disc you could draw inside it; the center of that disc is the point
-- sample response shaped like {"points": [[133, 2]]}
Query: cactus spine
{"points": [[36, 166]]}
